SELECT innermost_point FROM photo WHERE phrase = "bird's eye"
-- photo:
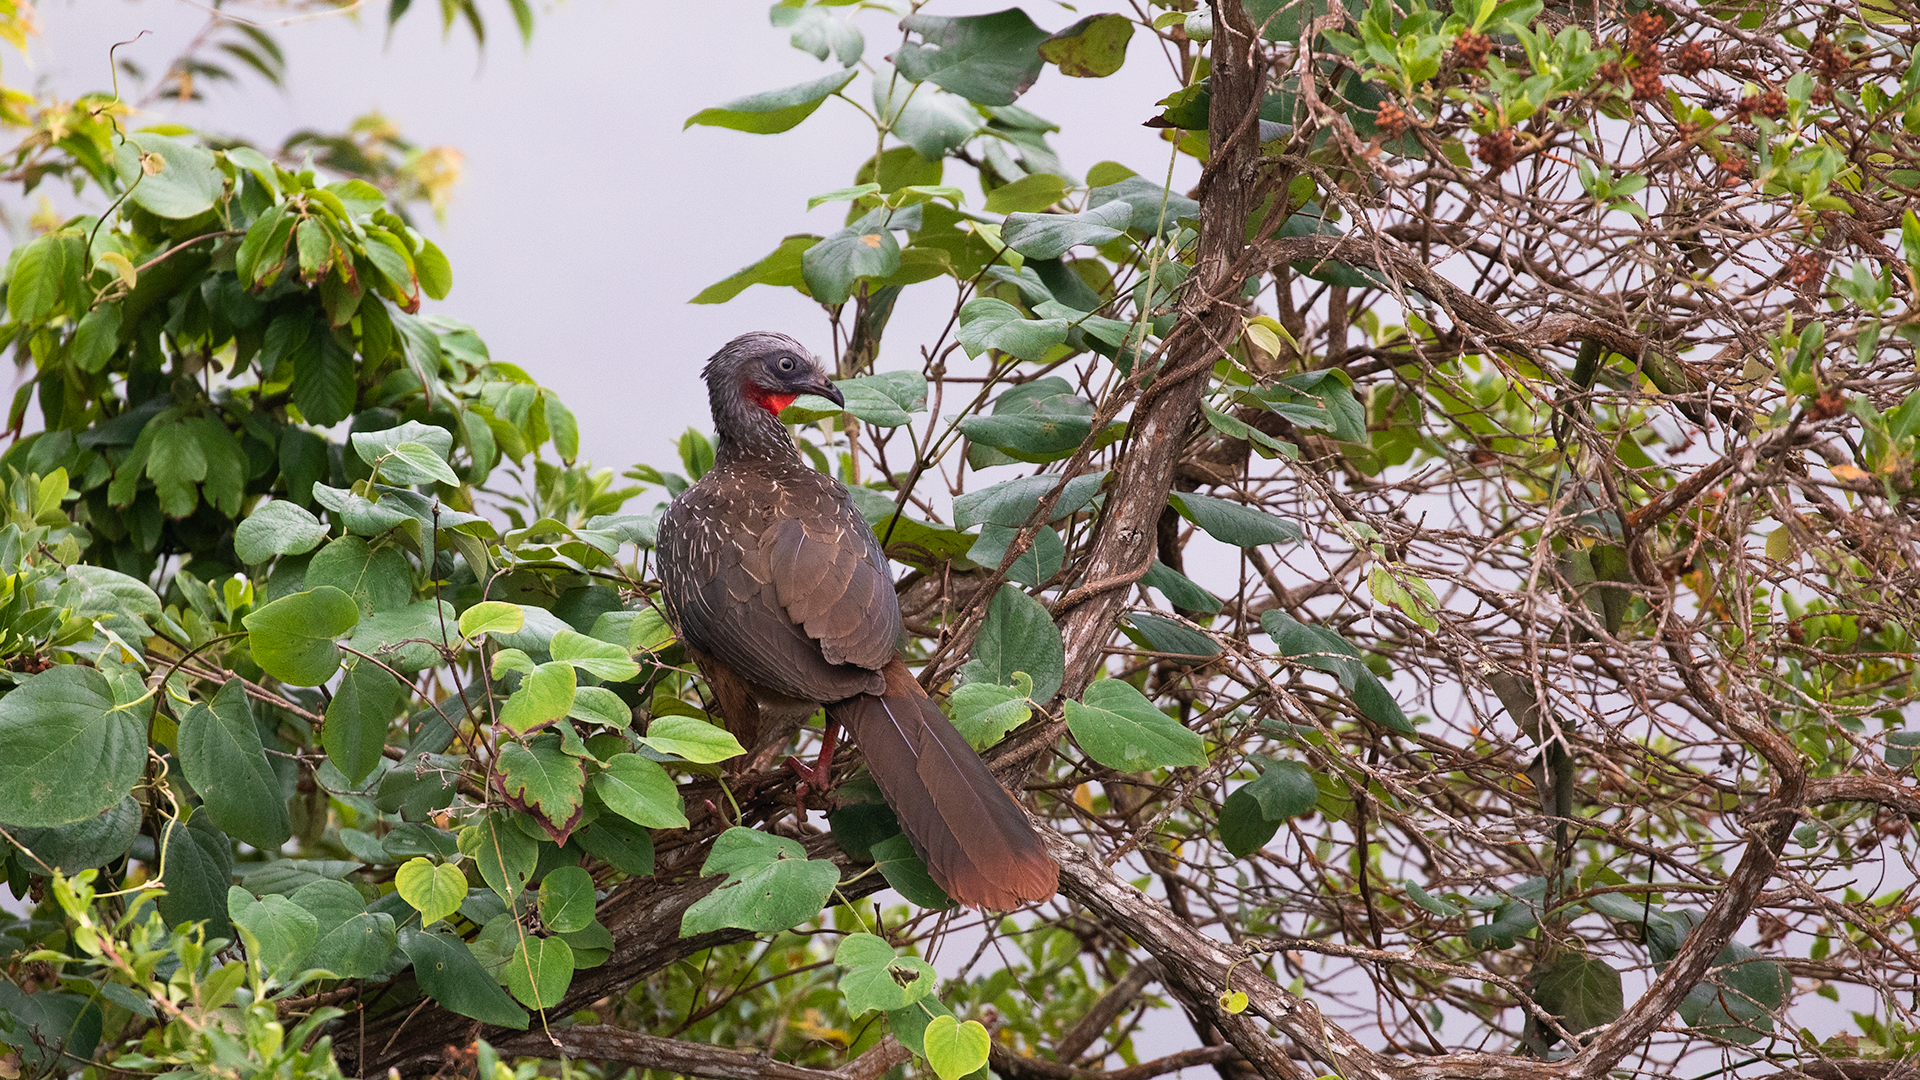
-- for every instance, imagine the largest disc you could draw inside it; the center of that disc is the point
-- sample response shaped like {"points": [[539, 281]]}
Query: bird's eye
{"points": [[786, 363]]}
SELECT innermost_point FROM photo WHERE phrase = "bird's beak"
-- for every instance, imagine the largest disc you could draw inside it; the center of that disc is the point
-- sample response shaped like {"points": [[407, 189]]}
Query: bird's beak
{"points": [[823, 387]]}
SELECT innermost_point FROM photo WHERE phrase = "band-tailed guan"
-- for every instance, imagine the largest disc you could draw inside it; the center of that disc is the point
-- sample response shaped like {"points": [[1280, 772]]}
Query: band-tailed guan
{"points": [[782, 596]]}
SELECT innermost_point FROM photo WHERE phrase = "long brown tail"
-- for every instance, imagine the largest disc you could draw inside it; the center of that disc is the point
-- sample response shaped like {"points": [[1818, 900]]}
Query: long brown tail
{"points": [[975, 839]]}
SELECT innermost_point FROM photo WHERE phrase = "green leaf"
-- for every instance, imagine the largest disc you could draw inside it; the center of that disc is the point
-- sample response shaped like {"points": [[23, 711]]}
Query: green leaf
{"points": [[491, 617], [539, 971], [864, 249], [354, 943], [448, 973], [627, 848], [909, 1025], [609, 663], [1434, 904], [1163, 635], [817, 32], [1231, 522], [849, 194], [435, 890], [987, 59], [408, 639], [1324, 650], [563, 427], [224, 760], [1092, 48], [176, 463], [887, 399], [175, 178], [505, 856], [283, 932], [413, 453], [771, 885], [692, 740], [955, 1049], [598, 705], [199, 861], [567, 900], [1180, 590], [1405, 592], [71, 753], [543, 697], [1119, 728], [323, 384], [1286, 789], [984, 712], [1012, 502], [50, 1028], [1581, 990], [362, 709], [276, 528], [97, 338], [1019, 636], [987, 323], [1034, 566], [878, 977], [541, 778], [40, 277], [640, 791], [436, 274], [930, 121], [773, 111], [377, 578], [1244, 829], [82, 845], [781, 268], [1031, 193], [1029, 437], [1049, 236]]}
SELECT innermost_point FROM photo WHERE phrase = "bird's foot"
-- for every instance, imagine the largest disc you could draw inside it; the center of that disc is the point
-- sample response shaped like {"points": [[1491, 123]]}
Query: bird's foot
{"points": [[818, 776]]}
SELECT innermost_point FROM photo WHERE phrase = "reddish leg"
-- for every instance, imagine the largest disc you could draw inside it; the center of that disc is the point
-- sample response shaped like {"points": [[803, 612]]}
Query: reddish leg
{"points": [[818, 776]]}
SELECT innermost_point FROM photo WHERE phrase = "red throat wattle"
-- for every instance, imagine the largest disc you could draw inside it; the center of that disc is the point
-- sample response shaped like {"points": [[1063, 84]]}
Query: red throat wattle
{"points": [[769, 400]]}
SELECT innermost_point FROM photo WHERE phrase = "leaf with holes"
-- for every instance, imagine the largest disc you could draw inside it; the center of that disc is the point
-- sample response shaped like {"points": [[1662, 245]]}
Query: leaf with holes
{"points": [[878, 977]]}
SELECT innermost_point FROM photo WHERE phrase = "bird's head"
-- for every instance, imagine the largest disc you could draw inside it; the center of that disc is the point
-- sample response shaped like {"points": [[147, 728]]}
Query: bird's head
{"points": [[767, 370]]}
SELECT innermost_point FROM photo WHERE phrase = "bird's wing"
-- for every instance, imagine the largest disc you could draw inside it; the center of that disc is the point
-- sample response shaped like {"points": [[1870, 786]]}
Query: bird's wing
{"points": [[779, 578]]}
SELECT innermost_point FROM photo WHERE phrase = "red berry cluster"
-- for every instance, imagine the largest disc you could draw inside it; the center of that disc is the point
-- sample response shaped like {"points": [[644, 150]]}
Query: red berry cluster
{"points": [[1772, 105], [1643, 44], [1472, 50], [1693, 58], [1830, 59], [1646, 28], [1391, 121], [1497, 150], [1803, 268]]}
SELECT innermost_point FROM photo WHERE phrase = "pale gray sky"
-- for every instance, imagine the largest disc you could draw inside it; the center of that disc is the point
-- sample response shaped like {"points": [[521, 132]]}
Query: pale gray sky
{"points": [[587, 217]]}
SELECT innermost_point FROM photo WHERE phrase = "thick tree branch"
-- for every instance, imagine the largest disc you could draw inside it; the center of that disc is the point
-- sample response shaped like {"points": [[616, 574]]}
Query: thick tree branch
{"points": [[618, 1046], [1211, 316], [1012, 1065]]}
